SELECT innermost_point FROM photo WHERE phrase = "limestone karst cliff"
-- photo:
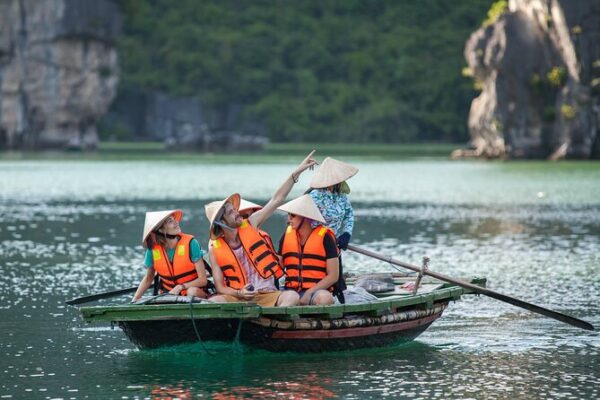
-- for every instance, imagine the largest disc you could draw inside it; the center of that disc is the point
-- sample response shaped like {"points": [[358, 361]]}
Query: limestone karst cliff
{"points": [[538, 68], [58, 71]]}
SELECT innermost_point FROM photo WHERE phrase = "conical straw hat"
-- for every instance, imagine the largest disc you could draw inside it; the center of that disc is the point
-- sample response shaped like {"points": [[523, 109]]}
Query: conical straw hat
{"points": [[331, 172], [155, 219], [303, 206], [248, 205], [213, 209]]}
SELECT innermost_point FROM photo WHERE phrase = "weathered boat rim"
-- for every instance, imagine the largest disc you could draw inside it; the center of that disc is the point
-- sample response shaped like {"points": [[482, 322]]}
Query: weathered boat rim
{"points": [[249, 310]]}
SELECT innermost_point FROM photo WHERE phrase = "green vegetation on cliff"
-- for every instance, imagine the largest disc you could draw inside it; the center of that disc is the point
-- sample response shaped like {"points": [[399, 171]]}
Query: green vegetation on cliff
{"points": [[311, 71]]}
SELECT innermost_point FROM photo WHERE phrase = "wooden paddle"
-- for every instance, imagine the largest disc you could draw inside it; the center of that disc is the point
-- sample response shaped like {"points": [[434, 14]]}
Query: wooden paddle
{"points": [[478, 289], [104, 295]]}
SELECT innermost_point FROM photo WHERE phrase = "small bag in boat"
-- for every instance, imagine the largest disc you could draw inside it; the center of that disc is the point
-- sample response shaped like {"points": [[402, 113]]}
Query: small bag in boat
{"points": [[376, 283], [358, 295]]}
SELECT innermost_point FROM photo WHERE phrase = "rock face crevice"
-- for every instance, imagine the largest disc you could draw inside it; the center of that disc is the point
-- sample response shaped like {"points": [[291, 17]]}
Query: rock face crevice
{"points": [[538, 68], [58, 71], [182, 123]]}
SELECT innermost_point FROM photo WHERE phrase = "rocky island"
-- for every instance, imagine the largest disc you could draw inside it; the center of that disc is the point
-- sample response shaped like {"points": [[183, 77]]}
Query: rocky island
{"points": [[537, 64]]}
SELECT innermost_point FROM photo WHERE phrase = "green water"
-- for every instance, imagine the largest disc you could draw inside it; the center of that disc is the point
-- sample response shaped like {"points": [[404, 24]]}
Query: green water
{"points": [[73, 228]]}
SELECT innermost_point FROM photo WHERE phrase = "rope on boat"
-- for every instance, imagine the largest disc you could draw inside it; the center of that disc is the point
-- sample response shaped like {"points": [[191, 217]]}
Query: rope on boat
{"points": [[196, 331], [407, 273], [150, 300], [236, 342], [424, 268], [167, 298], [348, 322]]}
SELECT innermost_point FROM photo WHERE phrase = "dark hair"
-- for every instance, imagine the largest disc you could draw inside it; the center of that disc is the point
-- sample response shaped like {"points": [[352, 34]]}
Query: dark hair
{"points": [[337, 188], [160, 238], [217, 230], [149, 242]]}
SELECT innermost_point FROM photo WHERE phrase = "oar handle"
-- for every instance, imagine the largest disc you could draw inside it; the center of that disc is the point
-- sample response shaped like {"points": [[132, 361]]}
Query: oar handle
{"points": [[103, 295], [481, 290]]}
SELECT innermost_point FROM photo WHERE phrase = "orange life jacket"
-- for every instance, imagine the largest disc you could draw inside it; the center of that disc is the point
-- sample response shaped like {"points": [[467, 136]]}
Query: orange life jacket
{"points": [[305, 267], [268, 240], [259, 253], [181, 270]]}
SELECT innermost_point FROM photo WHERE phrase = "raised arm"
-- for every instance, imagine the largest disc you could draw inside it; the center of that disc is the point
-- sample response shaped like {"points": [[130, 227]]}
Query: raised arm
{"points": [[278, 198]]}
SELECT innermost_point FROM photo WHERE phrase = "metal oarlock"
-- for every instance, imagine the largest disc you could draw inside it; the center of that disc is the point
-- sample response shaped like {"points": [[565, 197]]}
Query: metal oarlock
{"points": [[424, 268]]}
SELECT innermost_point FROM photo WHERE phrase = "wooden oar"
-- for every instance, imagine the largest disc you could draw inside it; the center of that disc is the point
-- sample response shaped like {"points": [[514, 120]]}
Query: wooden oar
{"points": [[478, 289], [104, 295]]}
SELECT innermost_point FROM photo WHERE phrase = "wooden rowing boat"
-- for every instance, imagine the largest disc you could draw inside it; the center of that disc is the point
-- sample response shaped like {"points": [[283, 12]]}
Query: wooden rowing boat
{"points": [[395, 316]]}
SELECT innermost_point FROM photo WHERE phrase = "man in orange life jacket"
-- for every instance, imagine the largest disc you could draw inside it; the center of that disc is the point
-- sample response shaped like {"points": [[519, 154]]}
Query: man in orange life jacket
{"points": [[247, 267], [309, 255], [247, 208], [175, 256]]}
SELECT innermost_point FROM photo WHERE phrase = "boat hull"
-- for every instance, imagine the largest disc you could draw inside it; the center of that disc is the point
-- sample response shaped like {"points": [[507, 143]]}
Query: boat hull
{"points": [[371, 333], [153, 334], [392, 318], [316, 341]]}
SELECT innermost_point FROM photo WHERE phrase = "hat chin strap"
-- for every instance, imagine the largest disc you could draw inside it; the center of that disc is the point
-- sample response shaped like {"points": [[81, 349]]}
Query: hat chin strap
{"points": [[168, 236], [302, 223], [222, 225]]}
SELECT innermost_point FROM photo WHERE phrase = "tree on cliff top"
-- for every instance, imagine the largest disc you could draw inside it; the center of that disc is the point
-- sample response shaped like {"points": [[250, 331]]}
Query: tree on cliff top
{"points": [[360, 71]]}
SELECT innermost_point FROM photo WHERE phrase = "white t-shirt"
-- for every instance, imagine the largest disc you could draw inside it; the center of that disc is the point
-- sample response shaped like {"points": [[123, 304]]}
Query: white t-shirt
{"points": [[254, 278]]}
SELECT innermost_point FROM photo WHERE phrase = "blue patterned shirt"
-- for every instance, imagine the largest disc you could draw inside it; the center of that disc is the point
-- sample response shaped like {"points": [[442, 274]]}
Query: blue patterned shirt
{"points": [[336, 210]]}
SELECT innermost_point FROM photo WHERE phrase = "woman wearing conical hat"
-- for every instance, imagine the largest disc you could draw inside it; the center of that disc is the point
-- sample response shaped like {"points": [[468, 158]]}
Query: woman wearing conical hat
{"points": [[174, 256], [244, 267], [329, 191], [309, 253]]}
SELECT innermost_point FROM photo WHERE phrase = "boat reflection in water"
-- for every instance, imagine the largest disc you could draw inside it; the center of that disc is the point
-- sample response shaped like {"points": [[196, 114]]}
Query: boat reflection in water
{"points": [[171, 393], [307, 388]]}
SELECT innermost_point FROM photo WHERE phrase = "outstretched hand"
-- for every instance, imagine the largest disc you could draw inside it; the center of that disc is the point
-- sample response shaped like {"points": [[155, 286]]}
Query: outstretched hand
{"points": [[307, 163], [278, 198]]}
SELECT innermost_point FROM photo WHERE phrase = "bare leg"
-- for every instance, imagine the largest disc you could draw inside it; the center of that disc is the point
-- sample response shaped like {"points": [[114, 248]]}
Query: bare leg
{"points": [[288, 298], [322, 298], [218, 299], [196, 292]]}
